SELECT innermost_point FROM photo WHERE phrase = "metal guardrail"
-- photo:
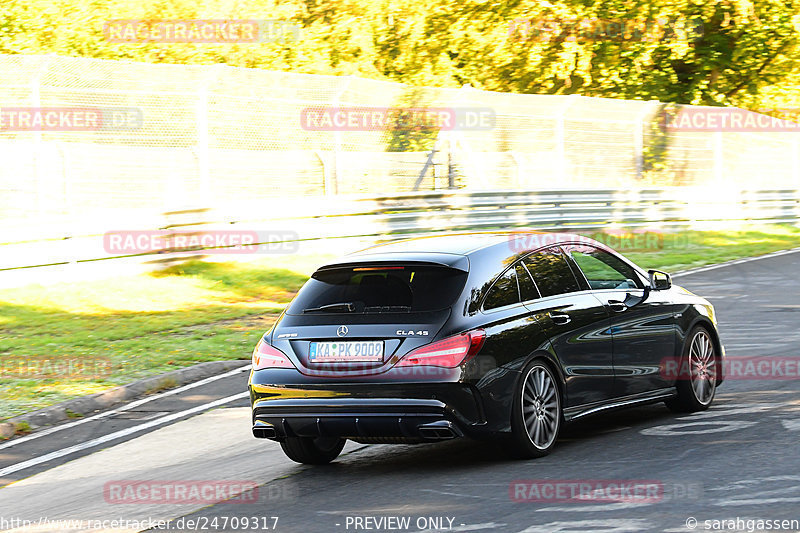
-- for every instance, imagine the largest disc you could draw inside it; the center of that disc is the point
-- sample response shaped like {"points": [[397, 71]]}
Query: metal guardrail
{"points": [[388, 217]]}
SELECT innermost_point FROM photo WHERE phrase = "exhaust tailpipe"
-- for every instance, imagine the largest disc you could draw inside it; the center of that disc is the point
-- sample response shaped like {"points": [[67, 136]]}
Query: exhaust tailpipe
{"points": [[441, 430], [262, 430]]}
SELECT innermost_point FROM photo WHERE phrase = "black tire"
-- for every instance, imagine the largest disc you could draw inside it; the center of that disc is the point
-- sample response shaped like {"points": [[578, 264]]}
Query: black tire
{"points": [[696, 383], [312, 450], [536, 404]]}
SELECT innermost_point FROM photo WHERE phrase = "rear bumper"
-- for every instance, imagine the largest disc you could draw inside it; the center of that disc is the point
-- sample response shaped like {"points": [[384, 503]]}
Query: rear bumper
{"points": [[370, 428], [371, 413]]}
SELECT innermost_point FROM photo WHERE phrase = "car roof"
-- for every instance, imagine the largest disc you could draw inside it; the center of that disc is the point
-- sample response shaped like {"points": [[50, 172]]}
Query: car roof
{"points": [[455, 249]]}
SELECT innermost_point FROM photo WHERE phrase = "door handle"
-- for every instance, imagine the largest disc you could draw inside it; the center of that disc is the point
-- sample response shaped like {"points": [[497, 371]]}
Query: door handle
{"points": [[617, 306], [559, 318]]}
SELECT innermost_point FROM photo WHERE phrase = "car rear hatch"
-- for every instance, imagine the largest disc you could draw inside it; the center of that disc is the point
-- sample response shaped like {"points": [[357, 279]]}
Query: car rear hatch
{"points": [[360, 317]]}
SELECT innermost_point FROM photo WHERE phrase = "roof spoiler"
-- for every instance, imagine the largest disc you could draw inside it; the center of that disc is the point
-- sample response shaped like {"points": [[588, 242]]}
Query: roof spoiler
{"points": [[457, 262]]}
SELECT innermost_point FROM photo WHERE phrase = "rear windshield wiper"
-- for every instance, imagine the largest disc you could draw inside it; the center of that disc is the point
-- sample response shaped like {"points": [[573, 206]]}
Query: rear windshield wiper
{"points": [[342, 306]]}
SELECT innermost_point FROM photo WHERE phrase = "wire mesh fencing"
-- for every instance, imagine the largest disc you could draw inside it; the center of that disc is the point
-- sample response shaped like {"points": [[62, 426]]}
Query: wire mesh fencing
{"points": [[175, 137]]}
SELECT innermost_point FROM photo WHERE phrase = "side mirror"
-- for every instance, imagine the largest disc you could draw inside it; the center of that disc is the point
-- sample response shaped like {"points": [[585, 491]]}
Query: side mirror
{"points": [[659, 280]]}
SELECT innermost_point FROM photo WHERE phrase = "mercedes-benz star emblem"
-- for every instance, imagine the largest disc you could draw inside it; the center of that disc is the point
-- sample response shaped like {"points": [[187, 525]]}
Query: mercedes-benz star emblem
{"points": [[341, 331]]}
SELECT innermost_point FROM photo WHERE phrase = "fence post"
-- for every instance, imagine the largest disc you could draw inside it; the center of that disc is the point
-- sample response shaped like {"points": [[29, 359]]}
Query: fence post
{"points": [[38, 143], [337, 135], [638, 136], [719, 157], [518, 165], [323, 161], [428, 163], [796, 161], [560, 135], [201, 123], [451, 171], [203, 145]]}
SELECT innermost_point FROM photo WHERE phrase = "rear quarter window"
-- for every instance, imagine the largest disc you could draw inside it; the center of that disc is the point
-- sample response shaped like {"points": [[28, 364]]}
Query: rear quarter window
{"points": [[504, 291], [551, 272]]}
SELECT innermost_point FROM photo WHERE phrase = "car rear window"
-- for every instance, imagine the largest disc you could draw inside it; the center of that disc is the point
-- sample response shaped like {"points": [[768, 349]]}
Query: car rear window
{"points": [[389, 289]]}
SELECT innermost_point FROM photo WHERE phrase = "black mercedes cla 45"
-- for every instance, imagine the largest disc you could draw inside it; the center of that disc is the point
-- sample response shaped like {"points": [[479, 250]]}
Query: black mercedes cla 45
{"points": [[501, 335]]}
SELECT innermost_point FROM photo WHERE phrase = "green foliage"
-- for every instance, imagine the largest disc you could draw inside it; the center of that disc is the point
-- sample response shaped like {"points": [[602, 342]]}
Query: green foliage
{"points": [[723, 52], [406, 135], [655, 164]]}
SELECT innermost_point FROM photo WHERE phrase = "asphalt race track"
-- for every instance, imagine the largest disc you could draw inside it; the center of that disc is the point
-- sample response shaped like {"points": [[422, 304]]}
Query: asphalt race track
{"points": [[737, 461]]}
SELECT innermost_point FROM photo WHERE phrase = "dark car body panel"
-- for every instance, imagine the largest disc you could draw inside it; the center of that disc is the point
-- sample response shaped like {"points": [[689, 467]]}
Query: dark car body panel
{"points": [[603, 359], [584, 346], [643, 336]]}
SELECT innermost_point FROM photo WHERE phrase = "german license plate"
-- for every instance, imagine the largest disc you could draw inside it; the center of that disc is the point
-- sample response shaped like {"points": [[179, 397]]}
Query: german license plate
{"points": [[340, 352]]}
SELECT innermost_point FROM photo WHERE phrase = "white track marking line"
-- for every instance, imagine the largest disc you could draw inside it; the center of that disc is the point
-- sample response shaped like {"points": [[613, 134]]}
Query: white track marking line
{"points": [[125, 407], [121, 433], [734, 262]]}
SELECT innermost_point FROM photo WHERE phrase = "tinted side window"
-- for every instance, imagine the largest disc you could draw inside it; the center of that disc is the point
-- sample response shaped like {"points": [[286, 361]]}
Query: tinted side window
{"points": [[602, 269], [527, 289], [551, 272], [503, 292]]}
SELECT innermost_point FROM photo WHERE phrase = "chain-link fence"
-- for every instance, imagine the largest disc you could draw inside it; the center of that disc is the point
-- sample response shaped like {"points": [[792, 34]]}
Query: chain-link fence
{"points": [[213, 135]]}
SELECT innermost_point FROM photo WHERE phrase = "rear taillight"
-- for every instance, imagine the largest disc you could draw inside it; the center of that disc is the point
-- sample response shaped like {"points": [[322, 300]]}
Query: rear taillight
{"points": [[447, 353], [267, 356]]}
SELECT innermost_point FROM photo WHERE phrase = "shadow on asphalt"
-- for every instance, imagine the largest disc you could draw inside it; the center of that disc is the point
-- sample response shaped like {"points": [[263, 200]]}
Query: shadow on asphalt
{"points": [[466, 454]]}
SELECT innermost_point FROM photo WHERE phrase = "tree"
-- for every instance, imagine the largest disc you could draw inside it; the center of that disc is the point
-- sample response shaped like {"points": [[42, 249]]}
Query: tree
{"points": [[725, 52]]}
